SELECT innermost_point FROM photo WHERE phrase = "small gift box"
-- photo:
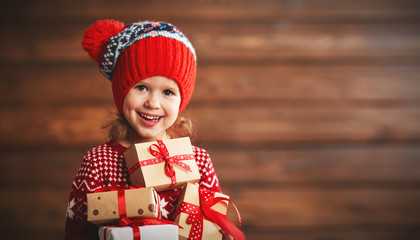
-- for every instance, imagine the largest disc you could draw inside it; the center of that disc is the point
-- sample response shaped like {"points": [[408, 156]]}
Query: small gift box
{"points": [[189, 214], [202, 213], [111, 204], [163, 165], [149, 232]]}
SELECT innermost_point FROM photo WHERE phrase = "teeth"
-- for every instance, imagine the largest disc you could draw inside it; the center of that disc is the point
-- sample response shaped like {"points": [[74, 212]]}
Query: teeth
{"points": [[149, 117]]}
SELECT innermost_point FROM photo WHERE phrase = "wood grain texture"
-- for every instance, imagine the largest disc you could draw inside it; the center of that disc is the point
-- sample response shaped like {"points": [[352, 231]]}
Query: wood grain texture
{"points": [[309, 110], [301, 167], [389, 165], [248, 43], [82, 84], [251, 124], [222, 11], [300, 209]]}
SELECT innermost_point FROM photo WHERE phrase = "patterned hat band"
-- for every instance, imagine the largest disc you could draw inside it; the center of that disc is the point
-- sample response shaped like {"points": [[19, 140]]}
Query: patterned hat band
{"points": [[132, 33]]}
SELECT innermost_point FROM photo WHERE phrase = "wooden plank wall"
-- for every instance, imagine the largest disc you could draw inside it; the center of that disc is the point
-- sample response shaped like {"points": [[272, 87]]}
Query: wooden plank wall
{"points": [[309, 109]]}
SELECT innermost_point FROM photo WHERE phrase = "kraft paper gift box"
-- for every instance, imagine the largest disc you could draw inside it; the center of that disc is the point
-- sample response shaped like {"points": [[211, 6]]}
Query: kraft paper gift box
{"points": [[190, 195], [148, 170], [104, 207], [150, 232]]}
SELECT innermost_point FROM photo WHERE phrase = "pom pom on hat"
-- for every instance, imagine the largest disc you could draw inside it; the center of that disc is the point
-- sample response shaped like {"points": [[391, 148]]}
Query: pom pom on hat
{"points": [[97, 35]]}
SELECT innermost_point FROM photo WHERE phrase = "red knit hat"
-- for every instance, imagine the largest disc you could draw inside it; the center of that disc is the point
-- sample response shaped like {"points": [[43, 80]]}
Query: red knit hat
{"points": [[128, 54]]}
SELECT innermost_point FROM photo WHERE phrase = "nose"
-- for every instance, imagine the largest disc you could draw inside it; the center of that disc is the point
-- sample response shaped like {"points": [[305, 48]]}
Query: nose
{"points": [[152, 101]]}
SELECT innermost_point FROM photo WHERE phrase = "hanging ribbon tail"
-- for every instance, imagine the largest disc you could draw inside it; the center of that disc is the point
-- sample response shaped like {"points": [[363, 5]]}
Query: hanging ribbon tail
{"points": [[183, 165], [225, 224], [169, 169], [221, 220]]}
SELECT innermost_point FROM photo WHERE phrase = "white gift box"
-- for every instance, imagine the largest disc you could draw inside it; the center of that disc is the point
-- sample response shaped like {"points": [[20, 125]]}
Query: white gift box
{"points": [[149, 232]]}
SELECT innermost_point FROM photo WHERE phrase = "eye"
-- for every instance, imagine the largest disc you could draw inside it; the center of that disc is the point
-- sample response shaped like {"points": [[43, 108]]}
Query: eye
{"points": [[141, 87], [168, 92]]}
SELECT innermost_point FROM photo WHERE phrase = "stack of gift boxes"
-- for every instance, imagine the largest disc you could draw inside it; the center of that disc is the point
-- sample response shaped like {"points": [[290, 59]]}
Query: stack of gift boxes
{"points": [[135, 213]]}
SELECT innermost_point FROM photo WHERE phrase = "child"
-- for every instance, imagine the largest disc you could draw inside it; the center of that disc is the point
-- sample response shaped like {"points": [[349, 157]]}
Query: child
{"points": [[152, 69]]}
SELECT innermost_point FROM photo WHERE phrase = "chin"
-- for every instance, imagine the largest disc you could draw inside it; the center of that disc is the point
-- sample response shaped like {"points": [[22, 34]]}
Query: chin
{"points": [[148, 137]]}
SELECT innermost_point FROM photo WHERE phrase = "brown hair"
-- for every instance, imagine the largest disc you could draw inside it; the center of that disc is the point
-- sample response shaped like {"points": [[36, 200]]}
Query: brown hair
{"points": [[120, 129]]}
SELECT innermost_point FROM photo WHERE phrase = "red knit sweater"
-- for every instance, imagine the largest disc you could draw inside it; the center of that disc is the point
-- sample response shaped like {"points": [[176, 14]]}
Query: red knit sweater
{"points": [[104, 166]]}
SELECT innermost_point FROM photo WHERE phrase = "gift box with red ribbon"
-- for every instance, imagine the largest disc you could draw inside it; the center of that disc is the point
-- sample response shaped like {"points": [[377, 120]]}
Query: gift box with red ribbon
{"points": [[147, 232], [163, 164], [202, 215], [111, 204]]}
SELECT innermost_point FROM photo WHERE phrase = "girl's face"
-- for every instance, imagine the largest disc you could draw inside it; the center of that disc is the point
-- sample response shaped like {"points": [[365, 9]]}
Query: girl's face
{"points": [[151, 106]]}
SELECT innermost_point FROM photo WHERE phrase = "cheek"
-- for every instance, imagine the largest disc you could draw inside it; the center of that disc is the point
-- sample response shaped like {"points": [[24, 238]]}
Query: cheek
{"points": [[131, 100], [126, 113], [172, 108], [176, 104], [126, 106]]}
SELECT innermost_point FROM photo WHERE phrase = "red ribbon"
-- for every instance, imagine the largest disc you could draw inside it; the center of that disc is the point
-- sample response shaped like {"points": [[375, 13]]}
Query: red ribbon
{"points": [[195, 218], [197, 214], [122, 209], [135, 224], [221, 220], [124, 220], [162, 155]]}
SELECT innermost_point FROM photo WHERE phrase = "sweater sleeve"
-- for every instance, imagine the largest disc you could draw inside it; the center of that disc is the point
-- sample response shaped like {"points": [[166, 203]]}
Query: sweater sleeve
{"points": [[86, 181], [208, 178]]}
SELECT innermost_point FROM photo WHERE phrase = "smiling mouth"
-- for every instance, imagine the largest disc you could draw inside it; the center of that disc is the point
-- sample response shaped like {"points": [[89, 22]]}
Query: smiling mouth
{"points": [[149, 118]]}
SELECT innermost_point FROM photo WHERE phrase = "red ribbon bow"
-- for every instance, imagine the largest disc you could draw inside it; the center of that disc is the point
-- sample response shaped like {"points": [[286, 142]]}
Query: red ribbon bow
{"points": [[197, 214], [161, 154]]}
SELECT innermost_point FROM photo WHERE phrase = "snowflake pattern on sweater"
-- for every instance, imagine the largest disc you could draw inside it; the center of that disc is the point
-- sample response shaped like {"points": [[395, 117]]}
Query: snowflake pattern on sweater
{"points": [[104, 166]]}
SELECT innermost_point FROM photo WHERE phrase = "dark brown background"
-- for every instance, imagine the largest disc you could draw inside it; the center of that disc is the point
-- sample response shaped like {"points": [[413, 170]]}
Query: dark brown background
{"points": [[309, 109]]}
